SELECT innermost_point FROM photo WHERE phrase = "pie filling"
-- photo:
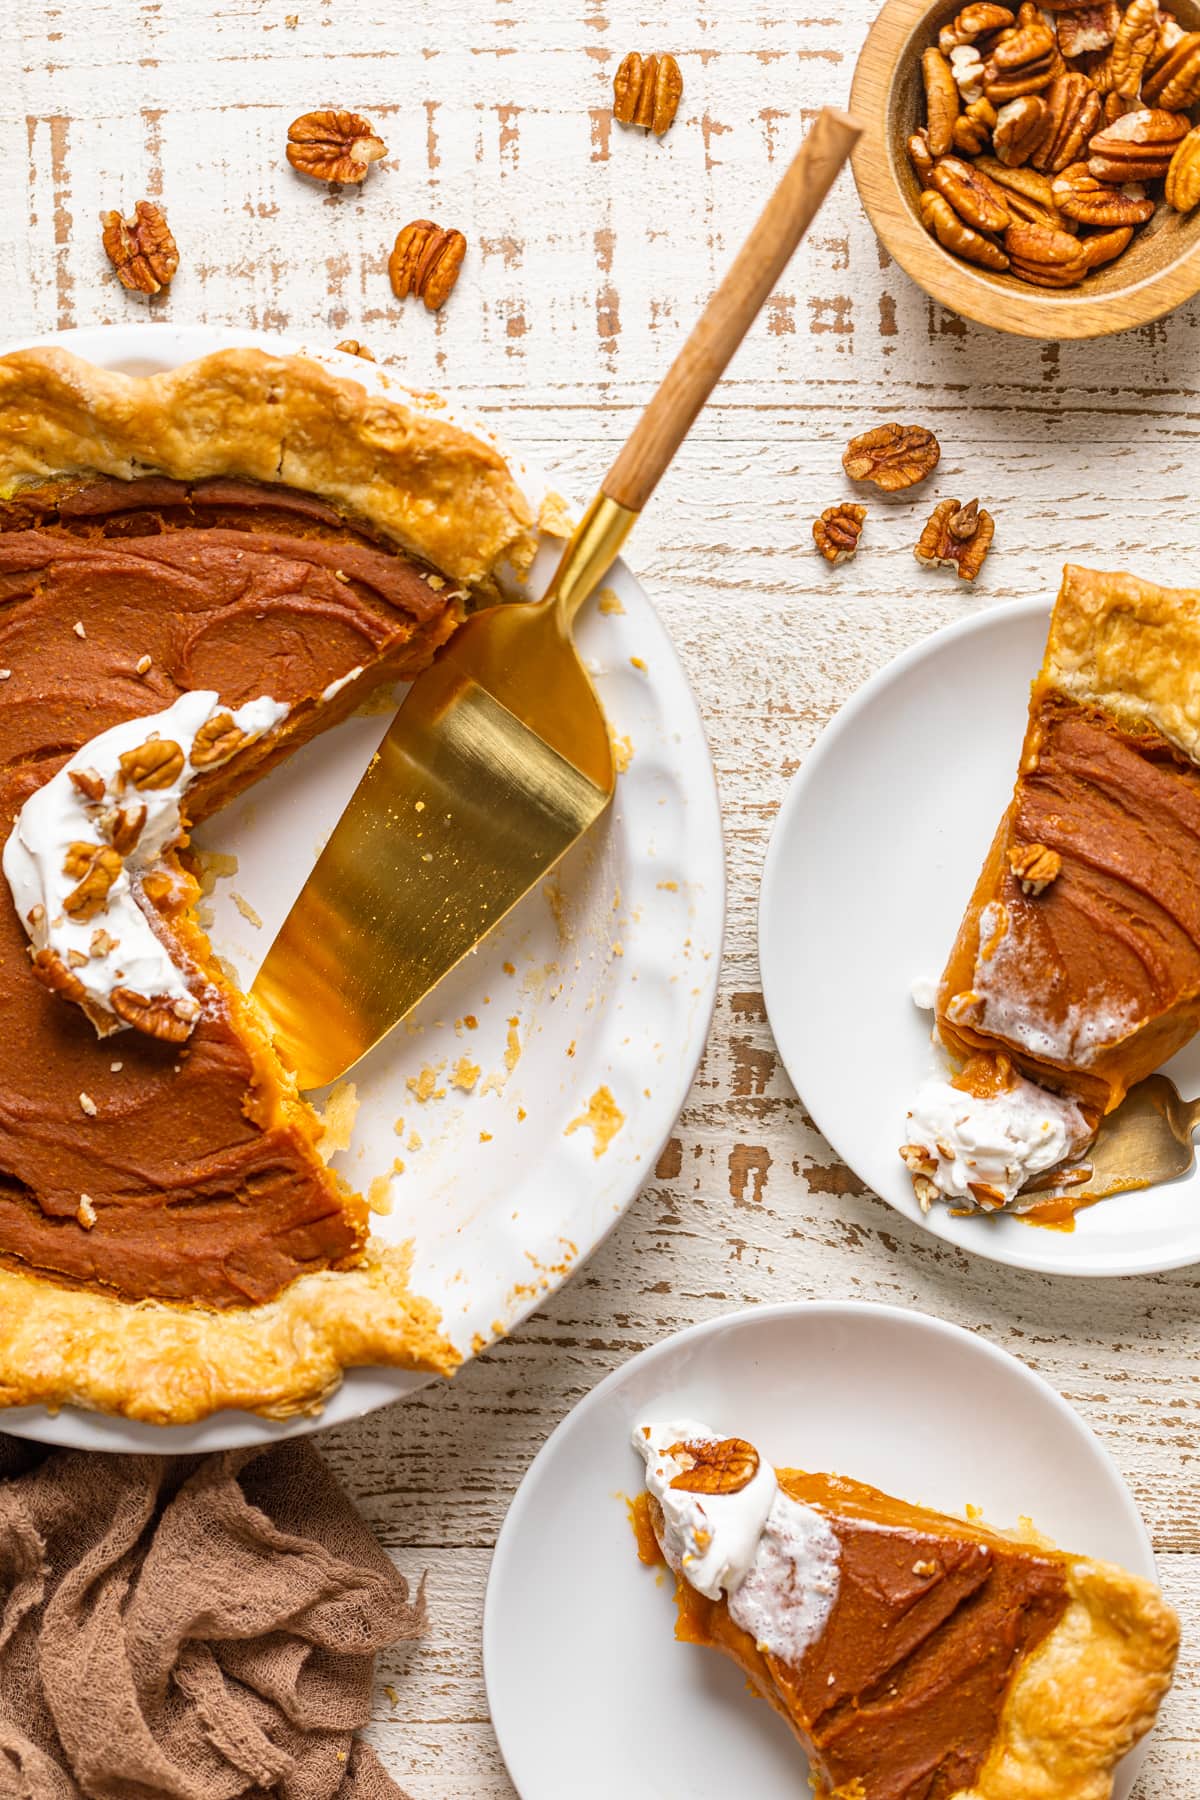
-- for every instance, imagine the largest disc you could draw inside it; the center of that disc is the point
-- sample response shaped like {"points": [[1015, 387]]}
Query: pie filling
{"points": [[179, 1166], [901, 1645], [1076, 971]]}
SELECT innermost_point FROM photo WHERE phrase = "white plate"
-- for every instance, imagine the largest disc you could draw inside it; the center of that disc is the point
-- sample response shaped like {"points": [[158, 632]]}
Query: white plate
{"points": [[873, 858], [611, 985], [588, 1690]]}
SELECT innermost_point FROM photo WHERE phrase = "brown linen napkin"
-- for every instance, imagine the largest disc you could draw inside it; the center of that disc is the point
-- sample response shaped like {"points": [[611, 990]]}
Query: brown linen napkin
{"points": [[202, 1628]]}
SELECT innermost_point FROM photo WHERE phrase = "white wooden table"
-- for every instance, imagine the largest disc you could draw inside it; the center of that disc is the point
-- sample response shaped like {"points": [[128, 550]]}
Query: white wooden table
{"points": [[591, 250]]}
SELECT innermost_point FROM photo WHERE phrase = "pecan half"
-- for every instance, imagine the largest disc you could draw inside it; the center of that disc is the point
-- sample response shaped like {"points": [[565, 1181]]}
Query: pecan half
{"points": [[1020, 128], [972, 23], [333, 146], [157, 1017], [1183, 176], [122, 826], [1030, 195], [647, 92], [892, 456], [956, 537], [158, 763], [942, 102], [1105, 246], [141, 249], [723, 1468], [216, 741], [1138, 147], [94, 868], [1034, 866], [1134, 43], [1044, 256], [1022, 61], [837, 531], [973, 128], [1078, 194], [1073, 112], [966, 66], [977, 201], [1175, 83], [425, 261], [1089, 30], [54, 974], [921, 156], [940, 218]]}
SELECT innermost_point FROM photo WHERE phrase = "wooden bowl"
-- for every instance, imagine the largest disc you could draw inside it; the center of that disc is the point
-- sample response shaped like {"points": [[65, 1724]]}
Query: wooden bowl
{"points": [[1159, 271]]}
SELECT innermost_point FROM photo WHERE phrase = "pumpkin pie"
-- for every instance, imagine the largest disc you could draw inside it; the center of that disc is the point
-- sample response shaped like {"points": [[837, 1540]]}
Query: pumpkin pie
{"points": [[199, 571], [1076, 970], [915, 1656]]}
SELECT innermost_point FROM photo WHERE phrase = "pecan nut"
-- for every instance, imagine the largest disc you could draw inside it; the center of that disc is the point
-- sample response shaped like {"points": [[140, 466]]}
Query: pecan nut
{"points": [[1133, 45], [425, 261], [1020, 128], [1106, 246], [942, 102], [352, 347], [977, 201], [837, 531], [1023, 61], [156, 1016], [1138, 147], [1030, 195], [94, 868], [973, 23], [952, 233], [158, 763], [966, 66], [333, 146], [1183, 176], [142, 249], [1175, 83], [973, 128], [892, 456], [1034, 866], [1080, 196], [1090, 30], [1044, 256], [216, 741], [956, 537], [1073, 113], [54, 974], [122, 826], [921, 156], [722, 1468], [647, 92]]}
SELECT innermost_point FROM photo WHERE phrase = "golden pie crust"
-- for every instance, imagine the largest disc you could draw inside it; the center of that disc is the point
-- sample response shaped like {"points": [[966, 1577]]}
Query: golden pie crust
{"points": [[440, 495]]}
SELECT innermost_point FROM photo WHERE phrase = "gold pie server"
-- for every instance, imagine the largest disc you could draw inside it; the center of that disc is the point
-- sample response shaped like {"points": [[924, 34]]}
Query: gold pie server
{"points": [[499, 759], [1148, 1139]]}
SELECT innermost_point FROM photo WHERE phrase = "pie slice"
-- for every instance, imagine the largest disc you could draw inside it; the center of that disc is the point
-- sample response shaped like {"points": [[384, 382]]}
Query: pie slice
{"points": [[1076, 971], [199, 571], [915, 1656]]}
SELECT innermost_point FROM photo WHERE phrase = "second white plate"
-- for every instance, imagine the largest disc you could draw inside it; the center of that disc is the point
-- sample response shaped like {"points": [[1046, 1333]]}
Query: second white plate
{"points": [[873, 858], [591, 1696]]}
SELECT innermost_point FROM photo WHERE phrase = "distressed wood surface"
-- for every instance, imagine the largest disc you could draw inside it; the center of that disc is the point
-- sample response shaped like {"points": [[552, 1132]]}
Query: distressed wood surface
{"points": [[591, 250]]}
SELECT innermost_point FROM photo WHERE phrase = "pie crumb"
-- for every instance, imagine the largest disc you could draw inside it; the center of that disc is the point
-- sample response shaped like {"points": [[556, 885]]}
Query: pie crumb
{"points": [[77, 628], [88, 1105], [85, 1212], [143, 664], [337, 1121]]}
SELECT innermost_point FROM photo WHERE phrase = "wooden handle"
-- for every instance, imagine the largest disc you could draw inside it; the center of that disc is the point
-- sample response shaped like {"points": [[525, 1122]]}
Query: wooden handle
{"points": [[732, 310]]}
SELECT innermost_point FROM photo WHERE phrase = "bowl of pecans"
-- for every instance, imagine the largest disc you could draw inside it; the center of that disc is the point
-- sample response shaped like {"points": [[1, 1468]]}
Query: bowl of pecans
{"points": [[1036, 167]]}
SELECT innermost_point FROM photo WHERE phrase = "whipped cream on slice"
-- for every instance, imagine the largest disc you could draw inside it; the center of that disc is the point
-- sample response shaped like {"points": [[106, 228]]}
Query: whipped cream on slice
{"points": [[980, 1151], [106, 943], [775, 1560]]}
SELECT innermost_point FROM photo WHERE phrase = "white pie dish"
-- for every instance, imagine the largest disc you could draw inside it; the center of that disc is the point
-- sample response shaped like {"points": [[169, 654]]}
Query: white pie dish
{"points": [[873, 857], [611, 986], [582, 1671]]}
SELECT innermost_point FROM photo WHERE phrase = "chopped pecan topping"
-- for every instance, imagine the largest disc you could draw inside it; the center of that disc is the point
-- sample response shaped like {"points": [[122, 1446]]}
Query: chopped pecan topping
{"points": [[942, 102], [1080, 196], [1034, 866], [837, 531], [141, 249], [425, 261], [216, 741], [721, 1468], [122, 826], [956, 537], [54, 974], [158, 1017], [352, 347], [158, 763], [1183, 176], [94, 868], [892, 456], [940, 218], [88, 783], [333, 146], [647, 92]]}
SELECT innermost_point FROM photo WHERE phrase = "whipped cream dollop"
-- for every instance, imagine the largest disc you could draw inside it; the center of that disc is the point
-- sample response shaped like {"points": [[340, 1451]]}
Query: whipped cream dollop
{"points": [[775, 1560], [979, 1151], [84, 842]]}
